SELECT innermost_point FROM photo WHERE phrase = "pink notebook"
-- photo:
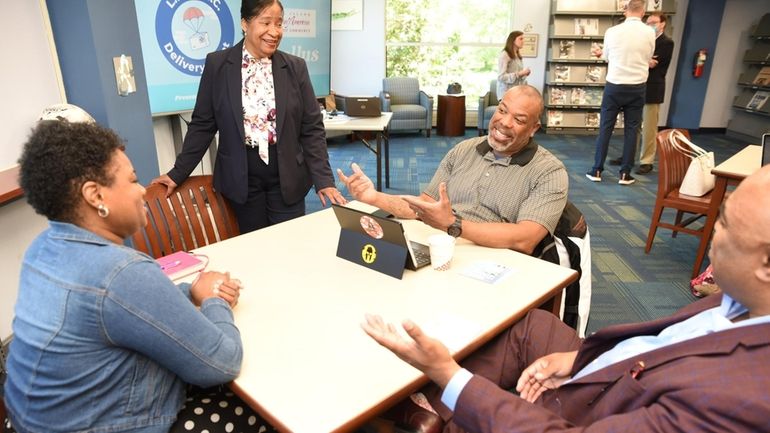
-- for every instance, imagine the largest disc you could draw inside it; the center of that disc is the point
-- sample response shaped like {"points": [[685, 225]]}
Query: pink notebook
{"points": [[180, 264]]}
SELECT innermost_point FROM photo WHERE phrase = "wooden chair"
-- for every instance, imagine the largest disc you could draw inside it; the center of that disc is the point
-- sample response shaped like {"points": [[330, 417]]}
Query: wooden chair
{"points": [[193, 216], [672, 168]]}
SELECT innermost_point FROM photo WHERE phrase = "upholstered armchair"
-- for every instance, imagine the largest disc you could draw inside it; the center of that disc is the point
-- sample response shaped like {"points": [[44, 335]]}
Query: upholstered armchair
{"points": [[487, 107], [412, 108]]}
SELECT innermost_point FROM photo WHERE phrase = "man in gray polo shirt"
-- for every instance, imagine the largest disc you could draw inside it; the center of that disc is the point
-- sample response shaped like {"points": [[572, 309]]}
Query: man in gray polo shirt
{"points": [[501, 191]]}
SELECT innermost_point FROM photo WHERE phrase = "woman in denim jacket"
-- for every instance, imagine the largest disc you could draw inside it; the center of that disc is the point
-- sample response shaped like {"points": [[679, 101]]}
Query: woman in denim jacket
{"points": [[103, 340]]}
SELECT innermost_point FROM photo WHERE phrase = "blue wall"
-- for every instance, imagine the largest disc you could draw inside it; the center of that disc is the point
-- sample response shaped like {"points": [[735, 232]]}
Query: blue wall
{"points": [[88, 34], [701, 30]]}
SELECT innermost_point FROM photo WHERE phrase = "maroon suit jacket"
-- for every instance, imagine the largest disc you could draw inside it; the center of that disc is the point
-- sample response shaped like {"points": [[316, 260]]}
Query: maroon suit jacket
{"points": [[717, 382]]}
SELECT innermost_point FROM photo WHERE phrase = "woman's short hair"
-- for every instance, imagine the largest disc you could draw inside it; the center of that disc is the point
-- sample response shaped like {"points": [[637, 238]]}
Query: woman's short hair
{"points": [[252, 8], [58, 158], [510, 44]]}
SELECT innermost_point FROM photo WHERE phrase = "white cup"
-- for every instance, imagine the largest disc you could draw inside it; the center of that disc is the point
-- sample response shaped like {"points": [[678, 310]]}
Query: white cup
{"points": [[442, 247]]}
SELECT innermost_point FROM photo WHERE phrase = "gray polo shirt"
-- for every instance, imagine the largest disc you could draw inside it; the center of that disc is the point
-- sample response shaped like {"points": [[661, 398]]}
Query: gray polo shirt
{"points": [[529, 186]]}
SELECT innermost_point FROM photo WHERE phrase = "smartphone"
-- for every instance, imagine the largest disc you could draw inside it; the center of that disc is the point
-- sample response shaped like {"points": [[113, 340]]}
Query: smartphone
{"points": [[766, 148]]}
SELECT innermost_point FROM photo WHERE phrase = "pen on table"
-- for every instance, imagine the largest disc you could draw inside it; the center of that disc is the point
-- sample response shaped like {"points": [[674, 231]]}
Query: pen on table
{"points": [[171, 265]]}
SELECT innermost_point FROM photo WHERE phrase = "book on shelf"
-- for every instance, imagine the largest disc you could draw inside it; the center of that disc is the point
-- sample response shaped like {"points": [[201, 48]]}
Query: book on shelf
{"points": [[561, 73], [593, 96], [592, 120], [555, 117], [578, 96], [622, 5], [557, 96], [180, 264], [596, 49], [586, 26], [763, 77], [567, 49], [758, 100], [594, 74], [654, 5]]}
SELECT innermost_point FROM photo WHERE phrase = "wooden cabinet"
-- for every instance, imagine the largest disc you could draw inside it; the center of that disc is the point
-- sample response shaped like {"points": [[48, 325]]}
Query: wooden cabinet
{"points": [[451, 115]]}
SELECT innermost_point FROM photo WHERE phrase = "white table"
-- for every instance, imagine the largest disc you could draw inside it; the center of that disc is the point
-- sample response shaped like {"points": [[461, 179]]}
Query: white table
{"points": [[732, 171], [308, 367], [378, 125]]}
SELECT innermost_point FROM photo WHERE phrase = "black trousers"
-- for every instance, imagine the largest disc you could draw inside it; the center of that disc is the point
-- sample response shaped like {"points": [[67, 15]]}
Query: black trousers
{"points": [[264, 204]]}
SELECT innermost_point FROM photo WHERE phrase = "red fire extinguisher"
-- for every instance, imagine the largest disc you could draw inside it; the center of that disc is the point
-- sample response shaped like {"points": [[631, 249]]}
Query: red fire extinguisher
{"points": [[699, 62]]}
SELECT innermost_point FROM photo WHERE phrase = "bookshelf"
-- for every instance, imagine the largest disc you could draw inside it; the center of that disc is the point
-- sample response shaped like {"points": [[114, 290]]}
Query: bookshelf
{"points": [[751, 106], [575, 79]]}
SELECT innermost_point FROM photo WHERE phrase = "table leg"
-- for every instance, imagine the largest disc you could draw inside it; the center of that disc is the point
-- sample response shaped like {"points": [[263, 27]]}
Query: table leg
{"points": [[720, 186], [386, 137], [379, 161]]}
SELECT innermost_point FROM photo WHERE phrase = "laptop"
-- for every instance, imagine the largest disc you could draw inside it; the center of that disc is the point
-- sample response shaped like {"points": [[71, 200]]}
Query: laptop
{"points": [[362, 106], [373, 229]]}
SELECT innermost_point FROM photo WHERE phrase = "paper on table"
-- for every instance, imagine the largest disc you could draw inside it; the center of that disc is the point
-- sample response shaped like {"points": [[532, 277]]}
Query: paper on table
{"points": [[488, 272], [454, 331]]}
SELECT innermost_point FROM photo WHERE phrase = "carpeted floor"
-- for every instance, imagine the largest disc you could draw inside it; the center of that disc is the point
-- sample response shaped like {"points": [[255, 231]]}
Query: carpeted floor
{"points": [[628, 285]]}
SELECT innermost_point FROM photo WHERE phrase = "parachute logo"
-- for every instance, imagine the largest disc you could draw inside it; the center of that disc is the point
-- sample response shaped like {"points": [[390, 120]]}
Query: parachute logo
{"points": [[187, 30], [193, 18]]}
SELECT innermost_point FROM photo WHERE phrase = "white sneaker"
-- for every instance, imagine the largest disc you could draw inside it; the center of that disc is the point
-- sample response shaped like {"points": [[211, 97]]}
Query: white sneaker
{"points": [[595, 176]]}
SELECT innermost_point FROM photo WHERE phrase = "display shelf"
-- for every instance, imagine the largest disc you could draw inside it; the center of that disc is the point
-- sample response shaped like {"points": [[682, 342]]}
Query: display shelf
{"points": [[575, 79], [751, 106]]}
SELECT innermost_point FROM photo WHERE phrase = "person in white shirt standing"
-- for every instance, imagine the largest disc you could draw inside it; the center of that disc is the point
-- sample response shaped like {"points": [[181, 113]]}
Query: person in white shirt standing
{"points": [[628, 48]]}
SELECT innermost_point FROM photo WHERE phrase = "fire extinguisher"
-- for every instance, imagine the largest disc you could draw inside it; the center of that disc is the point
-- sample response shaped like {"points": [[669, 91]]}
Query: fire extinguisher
{"points": [[699, 62]]}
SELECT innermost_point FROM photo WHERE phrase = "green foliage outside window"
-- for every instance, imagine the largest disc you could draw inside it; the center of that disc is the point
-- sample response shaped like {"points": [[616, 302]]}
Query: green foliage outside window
{"points": [[445, 41]]}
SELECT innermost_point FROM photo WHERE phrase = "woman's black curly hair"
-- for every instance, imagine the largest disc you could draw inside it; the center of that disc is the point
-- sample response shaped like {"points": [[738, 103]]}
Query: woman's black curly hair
{"points": [[58, 158]]}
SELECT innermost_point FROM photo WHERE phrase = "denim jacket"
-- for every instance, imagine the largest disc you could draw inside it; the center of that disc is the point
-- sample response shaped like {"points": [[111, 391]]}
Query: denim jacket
{"points": [[105, 342]]}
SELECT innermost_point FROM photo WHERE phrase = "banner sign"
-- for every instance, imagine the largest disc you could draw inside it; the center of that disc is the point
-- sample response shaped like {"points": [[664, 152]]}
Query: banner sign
{"points": [[176, 36]]}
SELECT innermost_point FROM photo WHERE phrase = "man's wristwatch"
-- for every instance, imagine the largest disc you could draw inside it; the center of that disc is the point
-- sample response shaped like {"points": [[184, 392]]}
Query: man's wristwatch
{"points": [[456, 229]]}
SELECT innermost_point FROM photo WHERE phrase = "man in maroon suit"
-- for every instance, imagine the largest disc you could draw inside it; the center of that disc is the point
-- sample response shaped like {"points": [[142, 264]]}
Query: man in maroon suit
{"points": [[705, 368]]}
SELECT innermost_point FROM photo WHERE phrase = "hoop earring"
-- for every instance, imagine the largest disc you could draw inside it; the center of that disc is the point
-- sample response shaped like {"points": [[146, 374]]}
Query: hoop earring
{"points": [[102, 210]]}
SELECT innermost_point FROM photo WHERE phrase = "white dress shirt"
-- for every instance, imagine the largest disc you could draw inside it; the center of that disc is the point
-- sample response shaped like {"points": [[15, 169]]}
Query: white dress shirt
{"points": [[628, 48]]}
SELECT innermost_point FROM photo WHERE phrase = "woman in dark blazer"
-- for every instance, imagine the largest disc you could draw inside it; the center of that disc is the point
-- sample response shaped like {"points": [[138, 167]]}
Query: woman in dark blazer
{"points": [[272, 144]]}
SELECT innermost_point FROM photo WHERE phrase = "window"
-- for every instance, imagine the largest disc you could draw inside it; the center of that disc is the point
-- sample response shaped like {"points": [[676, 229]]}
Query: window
{"points": [[445, 41]]}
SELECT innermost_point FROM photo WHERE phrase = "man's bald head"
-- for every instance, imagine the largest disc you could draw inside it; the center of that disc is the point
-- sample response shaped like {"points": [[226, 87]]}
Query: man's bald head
{"points": [[740, 248], [525, 90]]}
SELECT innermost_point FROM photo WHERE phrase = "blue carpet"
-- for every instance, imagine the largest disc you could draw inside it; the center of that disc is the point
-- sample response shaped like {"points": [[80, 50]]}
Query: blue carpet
{"points": [[628, 285]]}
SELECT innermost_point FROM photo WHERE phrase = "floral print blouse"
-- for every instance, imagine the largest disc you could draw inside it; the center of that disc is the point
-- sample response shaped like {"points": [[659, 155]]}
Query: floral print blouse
{"points": [[258, 99]]}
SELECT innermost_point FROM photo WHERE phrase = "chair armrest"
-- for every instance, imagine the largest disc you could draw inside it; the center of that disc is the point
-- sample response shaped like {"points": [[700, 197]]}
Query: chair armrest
{"points": [[427, 102], [480, 112], [385, 101]]}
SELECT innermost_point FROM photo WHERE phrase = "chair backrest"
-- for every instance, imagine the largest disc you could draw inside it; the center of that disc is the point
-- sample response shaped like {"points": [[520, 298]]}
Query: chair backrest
{"points": [[402, 90], [673, 164], [193, 216]]}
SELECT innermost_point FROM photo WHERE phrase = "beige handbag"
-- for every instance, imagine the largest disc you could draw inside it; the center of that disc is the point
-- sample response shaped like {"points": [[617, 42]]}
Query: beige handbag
{"points": [[698, 180]]}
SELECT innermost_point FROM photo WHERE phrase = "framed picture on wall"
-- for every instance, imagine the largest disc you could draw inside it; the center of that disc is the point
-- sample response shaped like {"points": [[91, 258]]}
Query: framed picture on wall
{"points": [[347, 15], [529, 49]]}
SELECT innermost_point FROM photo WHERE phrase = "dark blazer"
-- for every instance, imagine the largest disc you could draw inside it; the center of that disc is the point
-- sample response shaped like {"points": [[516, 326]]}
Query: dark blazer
{"points": [[656, 81], [717, 382], [302, 157]]}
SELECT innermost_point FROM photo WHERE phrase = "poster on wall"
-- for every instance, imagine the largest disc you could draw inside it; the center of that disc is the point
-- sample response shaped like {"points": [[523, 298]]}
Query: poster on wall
{"points": [[529, 49], [176, 36]]}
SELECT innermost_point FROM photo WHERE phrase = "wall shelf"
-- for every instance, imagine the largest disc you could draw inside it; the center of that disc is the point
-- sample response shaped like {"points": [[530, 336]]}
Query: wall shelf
{"points": [[574, 79]]}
